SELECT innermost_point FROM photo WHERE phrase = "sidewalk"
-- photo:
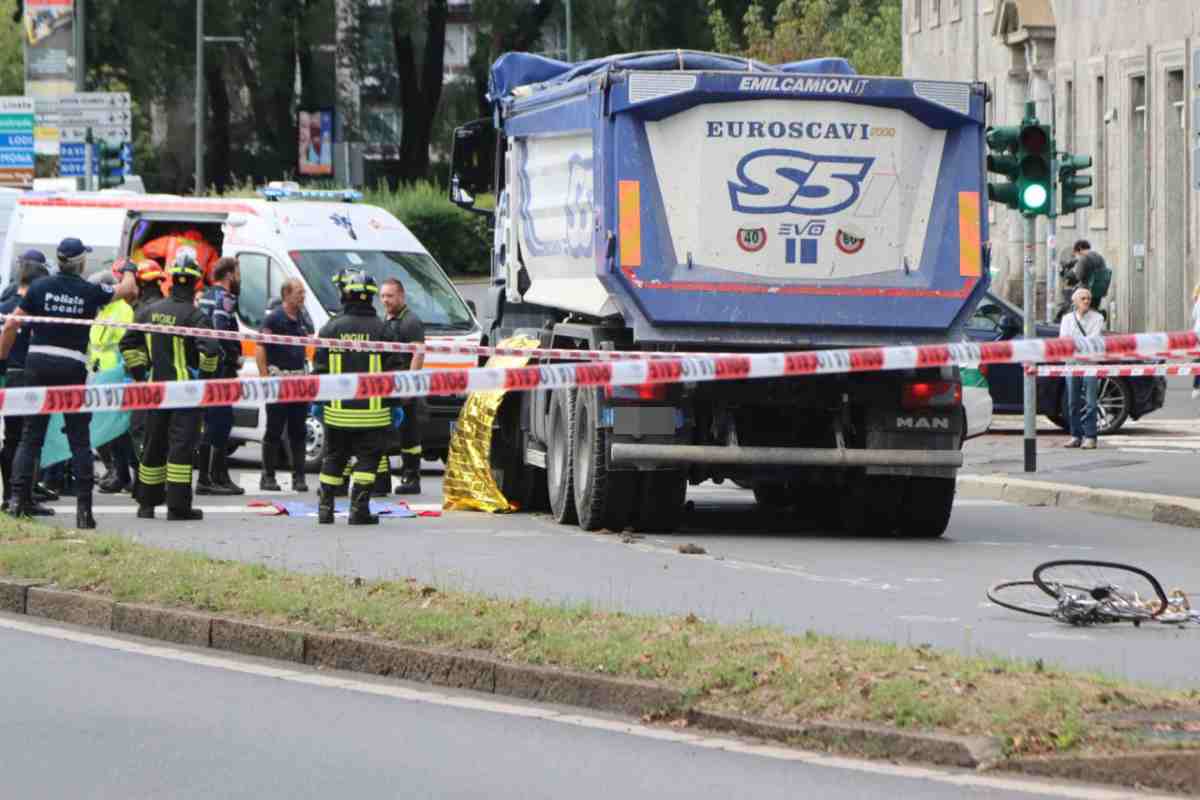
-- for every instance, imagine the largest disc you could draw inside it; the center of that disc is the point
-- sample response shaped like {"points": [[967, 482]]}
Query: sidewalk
{"points": [[1149, 471]]}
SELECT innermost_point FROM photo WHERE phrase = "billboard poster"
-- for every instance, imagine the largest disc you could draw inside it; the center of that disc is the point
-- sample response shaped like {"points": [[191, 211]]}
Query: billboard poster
{"points": [[16, 141], [49, 47], [315, 127]]}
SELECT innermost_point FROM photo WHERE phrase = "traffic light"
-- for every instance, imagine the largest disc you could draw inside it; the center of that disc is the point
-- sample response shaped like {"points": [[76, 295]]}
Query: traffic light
{"points": [[1003, 161], [1035, 152], [110, 164], [1072, 182]]}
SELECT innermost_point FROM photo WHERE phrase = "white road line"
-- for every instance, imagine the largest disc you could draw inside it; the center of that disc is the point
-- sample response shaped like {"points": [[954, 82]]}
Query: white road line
{"points": [[581, 720]]}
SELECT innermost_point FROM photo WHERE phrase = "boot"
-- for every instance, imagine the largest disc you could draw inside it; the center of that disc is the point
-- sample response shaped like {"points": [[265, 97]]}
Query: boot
{"points": [[23, 504], [44, 494], [204, 471], [299, 484], [112, 483], [383, 484], [145, 512], [360, 506], [222, 483], [325, 504], [267, 482], [410, 475], [182, 514], [84, 520], [179, 504]]}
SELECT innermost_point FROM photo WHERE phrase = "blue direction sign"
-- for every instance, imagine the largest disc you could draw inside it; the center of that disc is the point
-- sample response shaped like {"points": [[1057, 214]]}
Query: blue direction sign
{"points": [[16, 140], [71, 159]]}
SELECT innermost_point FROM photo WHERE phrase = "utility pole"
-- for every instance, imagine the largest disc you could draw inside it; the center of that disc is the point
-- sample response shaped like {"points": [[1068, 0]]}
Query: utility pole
{"points": [[200, 98], [570, 36], [79, 37]]}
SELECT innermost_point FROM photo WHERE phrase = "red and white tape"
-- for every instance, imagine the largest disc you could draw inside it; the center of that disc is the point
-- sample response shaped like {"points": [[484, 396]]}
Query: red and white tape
{"points": [[435, 346], [1113, 370], [310, 388]]}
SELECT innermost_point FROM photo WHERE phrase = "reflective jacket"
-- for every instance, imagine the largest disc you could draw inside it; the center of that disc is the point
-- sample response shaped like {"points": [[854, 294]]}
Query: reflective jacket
{"points": [[358, 321], [165, 356], [104, 343]]}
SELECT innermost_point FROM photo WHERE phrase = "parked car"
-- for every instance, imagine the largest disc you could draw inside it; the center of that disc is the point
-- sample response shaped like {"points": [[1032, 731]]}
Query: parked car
{"points": [[977, 403], [1121, 398]]}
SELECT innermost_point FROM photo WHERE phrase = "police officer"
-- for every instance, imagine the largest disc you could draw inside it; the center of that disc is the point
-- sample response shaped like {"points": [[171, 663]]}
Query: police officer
{"points": [[58, 357], [354, 427], [219, 306], [30, 267], [405, 326], [286, 319], [171, 434]]}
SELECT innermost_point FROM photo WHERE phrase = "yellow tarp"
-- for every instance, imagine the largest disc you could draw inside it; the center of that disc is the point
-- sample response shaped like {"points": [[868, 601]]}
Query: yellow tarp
{"points": [[469, 485]]}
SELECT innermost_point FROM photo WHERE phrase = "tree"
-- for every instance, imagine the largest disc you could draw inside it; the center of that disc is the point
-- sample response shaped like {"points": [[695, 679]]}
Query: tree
{"points": [[12, 56], [419, 39]]}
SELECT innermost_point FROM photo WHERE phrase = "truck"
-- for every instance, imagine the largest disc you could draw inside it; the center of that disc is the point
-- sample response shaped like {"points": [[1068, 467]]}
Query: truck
{"points": [[686, 202]]}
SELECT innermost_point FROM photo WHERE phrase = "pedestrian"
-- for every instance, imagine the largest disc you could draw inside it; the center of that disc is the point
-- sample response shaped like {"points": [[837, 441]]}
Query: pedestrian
{"points": [[150, 279], [31, 266], [288, 319], [1091, 273], [171, 435], [219, 306], [405, 326], [354, 427], [1082, 392], [57, 356]]}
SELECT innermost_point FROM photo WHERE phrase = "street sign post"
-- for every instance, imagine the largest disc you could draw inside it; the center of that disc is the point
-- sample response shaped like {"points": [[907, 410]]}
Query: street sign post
{"points": [[67, 118], [16, 140]]}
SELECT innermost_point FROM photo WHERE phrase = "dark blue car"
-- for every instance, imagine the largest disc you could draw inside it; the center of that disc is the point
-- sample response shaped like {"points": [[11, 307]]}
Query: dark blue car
{"points": [[997, 320]]}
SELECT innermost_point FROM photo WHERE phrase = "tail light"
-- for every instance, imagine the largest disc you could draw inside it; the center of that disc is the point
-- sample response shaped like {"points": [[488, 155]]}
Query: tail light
{"points": [[651, 392], [930, 394]]}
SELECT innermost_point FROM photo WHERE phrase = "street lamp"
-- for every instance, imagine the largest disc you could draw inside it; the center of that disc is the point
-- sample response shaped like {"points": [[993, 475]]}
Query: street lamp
{"points": [[202, 40]]}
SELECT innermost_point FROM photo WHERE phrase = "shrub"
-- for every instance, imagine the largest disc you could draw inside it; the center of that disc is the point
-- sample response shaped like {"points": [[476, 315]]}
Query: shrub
{"points": [[460, 241]]}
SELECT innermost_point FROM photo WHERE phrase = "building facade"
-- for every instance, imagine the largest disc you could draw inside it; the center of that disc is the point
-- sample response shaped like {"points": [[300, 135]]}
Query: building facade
{"points": [[1117, 78]]}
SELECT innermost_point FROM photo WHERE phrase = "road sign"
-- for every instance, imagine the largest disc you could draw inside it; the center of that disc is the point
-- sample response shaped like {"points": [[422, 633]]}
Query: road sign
{"points": [[66, 118], [16, 140], [72, 158]]}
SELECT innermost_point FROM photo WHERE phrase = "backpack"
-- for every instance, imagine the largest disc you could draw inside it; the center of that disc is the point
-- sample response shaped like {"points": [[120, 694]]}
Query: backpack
{"points": [[1098, 283]]}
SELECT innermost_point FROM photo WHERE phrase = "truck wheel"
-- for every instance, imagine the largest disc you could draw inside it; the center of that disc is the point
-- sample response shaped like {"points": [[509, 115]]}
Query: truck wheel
{"points": [[773, 495], [520, 483], [870, 507], [660, 501], [559, 464], [603, 497], [927, 506]]}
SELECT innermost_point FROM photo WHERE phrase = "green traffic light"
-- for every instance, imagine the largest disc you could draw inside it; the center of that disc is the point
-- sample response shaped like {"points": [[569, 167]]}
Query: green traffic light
{"points": [[1034, 197]]}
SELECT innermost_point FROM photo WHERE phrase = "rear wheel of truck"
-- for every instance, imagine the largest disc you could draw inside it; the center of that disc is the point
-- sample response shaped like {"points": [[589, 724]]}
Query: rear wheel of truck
{"points": [[559, 466], [517, 481], [603, 497], [773, 495], [928, 502], [871, 505], [660, 501]]}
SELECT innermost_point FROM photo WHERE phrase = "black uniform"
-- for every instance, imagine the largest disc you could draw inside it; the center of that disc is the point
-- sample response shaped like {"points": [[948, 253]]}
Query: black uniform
{"points": [[355, 427], [219, 307], [408, 327], [171, 435], [285, 360], [57, 356], [13, 425]]}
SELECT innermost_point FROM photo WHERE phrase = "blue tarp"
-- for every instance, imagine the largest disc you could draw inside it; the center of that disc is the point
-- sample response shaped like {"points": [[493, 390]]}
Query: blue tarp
{"points": [[521, 69]]}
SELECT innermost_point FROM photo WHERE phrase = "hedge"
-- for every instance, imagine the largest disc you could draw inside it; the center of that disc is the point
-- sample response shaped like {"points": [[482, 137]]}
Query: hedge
{"points": [[460, 241]]}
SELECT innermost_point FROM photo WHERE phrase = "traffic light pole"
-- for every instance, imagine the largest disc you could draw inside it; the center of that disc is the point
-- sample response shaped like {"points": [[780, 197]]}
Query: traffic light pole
{"points": [[1029, 223]]}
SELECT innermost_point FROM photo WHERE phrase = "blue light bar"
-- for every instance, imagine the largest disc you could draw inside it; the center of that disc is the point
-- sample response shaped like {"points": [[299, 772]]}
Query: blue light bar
{"points": [[275, 193]]}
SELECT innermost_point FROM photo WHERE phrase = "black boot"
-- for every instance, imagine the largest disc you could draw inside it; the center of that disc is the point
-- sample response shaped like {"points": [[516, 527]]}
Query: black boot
{"points": [[23, 503], [222, 483], [204, 470], [84, 520], [145, 512], [360, 506], [44, 494], [299, 484], [410, 475], [270, 458], [325, 504], [179, 504], [383, 484]]}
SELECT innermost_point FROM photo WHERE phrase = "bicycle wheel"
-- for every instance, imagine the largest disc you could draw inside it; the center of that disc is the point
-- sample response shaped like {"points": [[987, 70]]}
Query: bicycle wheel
{"points": [[1123, 591], [1024, 596]]}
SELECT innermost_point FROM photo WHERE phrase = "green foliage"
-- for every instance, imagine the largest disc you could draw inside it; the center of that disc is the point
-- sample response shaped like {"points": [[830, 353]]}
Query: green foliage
{"points": [[12, 56], [460, 241], [865, 32]]}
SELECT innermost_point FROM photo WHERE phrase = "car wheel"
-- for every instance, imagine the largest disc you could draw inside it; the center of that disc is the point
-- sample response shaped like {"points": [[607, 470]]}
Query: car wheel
{"points": [[1112, 408]]}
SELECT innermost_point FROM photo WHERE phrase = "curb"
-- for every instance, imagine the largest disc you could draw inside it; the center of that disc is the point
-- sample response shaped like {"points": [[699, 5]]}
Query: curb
{"points": [[1167, 770], [477, 672], [1144, 506]]}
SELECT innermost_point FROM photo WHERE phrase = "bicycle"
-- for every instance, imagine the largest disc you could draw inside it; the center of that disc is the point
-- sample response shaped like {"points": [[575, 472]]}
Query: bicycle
{"points": [[1084, 592]]}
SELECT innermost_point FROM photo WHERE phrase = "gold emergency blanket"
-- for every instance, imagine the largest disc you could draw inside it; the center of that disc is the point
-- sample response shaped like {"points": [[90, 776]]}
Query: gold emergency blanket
{"points": [[468, 484]]}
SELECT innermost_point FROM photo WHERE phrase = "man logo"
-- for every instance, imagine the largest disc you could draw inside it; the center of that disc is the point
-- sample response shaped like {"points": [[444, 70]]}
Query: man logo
{"points": [[923, 423], [752, 239], [848, 243], [778, 180]]}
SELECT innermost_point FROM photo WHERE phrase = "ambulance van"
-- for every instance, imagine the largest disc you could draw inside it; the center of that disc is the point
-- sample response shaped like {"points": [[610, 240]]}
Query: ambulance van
{"points": [[287, 233]]}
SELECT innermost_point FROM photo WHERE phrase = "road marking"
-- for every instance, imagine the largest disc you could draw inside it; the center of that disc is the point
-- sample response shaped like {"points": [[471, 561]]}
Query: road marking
{"points": [[927, 618], [1061, 637], [477, 703]]}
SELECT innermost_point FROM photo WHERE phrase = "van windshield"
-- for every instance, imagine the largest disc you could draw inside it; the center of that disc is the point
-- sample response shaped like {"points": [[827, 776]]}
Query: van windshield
{"points": [[428, 291]]}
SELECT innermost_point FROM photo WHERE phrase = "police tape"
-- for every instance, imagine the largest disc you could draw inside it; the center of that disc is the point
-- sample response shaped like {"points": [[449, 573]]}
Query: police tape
{"points": [[1112, 370], [558, 354], [690, 369]]}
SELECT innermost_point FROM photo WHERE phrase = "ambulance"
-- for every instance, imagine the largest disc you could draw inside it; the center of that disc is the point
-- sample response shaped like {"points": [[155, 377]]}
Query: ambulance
{"points": [[285, 233]]}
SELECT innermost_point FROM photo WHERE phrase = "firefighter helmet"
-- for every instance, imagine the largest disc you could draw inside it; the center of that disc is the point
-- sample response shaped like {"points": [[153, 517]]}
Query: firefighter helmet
{"points": [[185, 267]]}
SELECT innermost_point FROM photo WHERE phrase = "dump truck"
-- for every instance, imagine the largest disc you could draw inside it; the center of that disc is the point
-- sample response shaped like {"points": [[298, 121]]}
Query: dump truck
{"points": [[686, 202]]}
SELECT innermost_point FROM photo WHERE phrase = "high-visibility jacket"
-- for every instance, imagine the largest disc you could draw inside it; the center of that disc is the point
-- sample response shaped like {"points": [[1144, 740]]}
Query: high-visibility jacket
{"points": [[104, 343], [359, 322]]}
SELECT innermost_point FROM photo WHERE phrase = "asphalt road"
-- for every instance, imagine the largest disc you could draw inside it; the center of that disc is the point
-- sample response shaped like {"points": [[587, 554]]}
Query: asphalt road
{"points": [[103, 717]]}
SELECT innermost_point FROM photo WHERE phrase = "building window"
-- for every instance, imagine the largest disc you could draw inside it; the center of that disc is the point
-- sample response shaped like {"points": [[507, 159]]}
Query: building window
{"points": [[914, 21], [1100, 170], [1069, 116], [935, 13]]}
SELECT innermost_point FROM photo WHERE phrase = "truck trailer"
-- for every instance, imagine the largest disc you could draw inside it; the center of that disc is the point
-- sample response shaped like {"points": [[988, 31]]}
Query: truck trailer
{"points": [[690, 202]]}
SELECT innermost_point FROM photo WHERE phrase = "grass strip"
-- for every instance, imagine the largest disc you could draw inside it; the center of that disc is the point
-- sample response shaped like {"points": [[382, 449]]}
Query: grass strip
{"points": [[756, 671]]}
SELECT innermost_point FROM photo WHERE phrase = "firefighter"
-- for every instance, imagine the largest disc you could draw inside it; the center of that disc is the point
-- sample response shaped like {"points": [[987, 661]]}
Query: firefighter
{"points": [[171, 434], [354, 427], [219, 305], [57, 356], [405, 326]]}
